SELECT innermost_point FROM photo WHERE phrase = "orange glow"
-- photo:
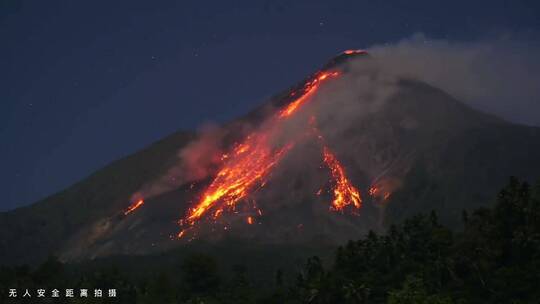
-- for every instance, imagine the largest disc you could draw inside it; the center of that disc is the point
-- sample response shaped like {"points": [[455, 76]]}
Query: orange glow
{"points": [[246, 167], [249, 162], [134, 206], [352, 52], [233, 182], [181, 233], [378, 192], [344, 192], [218, 213], [309, 89]]}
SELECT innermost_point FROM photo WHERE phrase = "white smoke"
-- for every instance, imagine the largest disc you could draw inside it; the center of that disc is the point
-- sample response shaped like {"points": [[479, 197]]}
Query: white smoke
{"points": [[499, 76], [194, 162]]}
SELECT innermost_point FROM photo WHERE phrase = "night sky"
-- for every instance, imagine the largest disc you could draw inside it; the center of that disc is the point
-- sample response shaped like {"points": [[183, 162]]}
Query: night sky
{"points": [[84, 83]]}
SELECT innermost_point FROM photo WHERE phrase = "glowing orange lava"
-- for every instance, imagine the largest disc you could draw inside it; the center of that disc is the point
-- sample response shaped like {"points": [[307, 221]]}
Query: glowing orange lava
{"points": [[250, 161], [181, 233], [352, 52], [309, 89], [344, 192], [246, 167], [378, 192], [134, 206]]}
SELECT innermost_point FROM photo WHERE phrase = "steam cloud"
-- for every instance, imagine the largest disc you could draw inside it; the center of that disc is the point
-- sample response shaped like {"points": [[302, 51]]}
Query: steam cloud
{"points": [[499, 76], [194, 162]]}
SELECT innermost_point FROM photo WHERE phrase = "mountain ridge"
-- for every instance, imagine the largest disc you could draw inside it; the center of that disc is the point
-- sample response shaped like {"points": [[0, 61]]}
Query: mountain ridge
{"points": [[86, 220]]}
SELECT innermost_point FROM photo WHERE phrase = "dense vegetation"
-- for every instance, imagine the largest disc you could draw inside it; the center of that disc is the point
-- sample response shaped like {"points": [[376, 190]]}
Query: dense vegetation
{"points": [[495, 258]]}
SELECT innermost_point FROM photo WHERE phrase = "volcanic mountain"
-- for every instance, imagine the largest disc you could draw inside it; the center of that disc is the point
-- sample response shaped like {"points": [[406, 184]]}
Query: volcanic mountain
{"points": [[351, 148]]}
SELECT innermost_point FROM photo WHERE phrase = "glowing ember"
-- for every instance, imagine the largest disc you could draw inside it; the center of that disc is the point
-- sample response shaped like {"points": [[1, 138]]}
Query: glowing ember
{"points": [[250, 220], [134, 206], [378, 192], [218, 213], [181, 233], [344, 192], [353, 52]]}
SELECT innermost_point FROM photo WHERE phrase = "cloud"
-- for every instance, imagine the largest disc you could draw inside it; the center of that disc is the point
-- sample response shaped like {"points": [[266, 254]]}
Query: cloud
{"points": [[498, 76]]}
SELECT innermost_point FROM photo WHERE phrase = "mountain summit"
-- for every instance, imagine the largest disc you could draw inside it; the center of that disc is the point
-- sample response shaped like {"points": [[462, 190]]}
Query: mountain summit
{"points": [[350, 149]]}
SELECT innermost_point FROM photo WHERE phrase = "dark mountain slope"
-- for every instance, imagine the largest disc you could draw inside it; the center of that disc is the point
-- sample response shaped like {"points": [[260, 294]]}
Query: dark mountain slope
{"points": [[467, 167], [420, 148], [29, 234]]}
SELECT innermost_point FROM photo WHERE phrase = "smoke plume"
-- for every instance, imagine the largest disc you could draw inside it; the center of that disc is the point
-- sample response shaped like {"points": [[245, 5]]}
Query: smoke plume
{"points": [[194, 162], [498, 76]]}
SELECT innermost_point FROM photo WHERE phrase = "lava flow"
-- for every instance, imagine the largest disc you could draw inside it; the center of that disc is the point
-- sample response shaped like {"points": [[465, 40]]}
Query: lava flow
{"points": [[246, 168], [250, 161], [344, 192], [134, 206], [354, 52], [309, 89]]}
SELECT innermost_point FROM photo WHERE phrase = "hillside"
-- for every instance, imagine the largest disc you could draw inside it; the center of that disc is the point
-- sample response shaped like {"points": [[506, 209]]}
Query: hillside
{"points": [[406, 146]]}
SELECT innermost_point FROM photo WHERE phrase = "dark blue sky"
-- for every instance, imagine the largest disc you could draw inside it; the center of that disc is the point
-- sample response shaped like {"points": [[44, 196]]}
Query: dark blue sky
{"points": [[86, 82]]}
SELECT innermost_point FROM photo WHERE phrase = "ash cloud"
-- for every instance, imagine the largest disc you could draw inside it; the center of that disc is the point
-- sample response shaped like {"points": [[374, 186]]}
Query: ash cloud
{"points": [[498, 76]]}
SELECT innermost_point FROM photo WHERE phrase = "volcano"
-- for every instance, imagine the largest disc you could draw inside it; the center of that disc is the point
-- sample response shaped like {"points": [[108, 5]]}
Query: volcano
{"points": [[349, 149]]}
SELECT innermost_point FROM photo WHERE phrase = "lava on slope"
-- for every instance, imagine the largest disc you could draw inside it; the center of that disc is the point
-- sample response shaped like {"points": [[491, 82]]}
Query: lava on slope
{"points": [[354, 52], [134, 206], [247, 166], [344, 192]]}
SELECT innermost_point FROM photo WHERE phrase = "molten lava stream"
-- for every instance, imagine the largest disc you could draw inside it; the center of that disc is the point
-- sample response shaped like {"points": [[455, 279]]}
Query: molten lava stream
{"points": [[234, 181], [134, 206], [250, 162], [344, 192]]}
